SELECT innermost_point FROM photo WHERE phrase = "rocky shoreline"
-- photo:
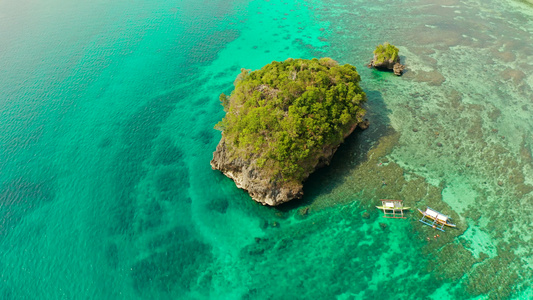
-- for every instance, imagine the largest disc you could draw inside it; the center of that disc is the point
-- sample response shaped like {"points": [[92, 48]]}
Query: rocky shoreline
{"points": [[258, 182]]}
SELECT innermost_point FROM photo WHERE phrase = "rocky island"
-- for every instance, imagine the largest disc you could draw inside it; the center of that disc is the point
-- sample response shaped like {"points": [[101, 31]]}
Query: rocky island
{"points": [[386, 58], [284, 121]]}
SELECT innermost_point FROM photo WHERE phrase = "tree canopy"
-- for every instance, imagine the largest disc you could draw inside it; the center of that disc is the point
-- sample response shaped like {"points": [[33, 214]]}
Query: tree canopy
{"points": [[284, 115], [385, 52]]}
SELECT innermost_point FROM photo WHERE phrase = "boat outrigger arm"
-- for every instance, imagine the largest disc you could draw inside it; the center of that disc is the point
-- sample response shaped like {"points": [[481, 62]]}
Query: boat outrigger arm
{"points": [[435, 219]]}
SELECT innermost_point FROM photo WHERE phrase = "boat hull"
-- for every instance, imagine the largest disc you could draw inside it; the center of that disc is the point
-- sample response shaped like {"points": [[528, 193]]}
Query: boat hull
{"points": [[392, 208], [438, 221]]}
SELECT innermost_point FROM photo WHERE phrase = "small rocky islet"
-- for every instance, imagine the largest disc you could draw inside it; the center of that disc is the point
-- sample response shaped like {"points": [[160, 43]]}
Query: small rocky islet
{"points": [[286, 120], [386, 57]]}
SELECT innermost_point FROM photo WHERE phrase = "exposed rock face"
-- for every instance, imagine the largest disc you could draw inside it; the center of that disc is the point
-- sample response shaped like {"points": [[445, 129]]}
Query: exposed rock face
{"points": [[258, 183], [398, 69], [261, 187], [386, 64]]}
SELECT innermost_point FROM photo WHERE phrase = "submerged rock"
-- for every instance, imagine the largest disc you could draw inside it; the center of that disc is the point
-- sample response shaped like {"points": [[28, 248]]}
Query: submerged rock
{"points": [[303, 212]]}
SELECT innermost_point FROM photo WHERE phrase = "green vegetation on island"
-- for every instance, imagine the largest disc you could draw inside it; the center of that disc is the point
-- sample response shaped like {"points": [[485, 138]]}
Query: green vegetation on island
{"points": [[386, 58], [385, 53], [285, 116]]}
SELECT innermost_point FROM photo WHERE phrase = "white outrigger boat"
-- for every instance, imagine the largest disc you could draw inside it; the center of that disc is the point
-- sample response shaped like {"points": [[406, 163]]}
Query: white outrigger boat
{"points": [[392, 208], [435, 219]]}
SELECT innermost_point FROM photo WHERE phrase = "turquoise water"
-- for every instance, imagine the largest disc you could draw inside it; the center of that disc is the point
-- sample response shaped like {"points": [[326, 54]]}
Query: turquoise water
{"points": [[106, 133]]}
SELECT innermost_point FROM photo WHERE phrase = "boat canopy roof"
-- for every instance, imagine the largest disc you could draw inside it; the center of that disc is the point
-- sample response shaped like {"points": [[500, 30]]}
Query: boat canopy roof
{"points": [[436, 215], [392, 203]]}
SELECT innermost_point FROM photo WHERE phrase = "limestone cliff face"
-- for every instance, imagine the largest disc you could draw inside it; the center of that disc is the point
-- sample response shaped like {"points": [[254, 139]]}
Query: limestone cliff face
{"points": [[261, 187], [258, 181]]}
